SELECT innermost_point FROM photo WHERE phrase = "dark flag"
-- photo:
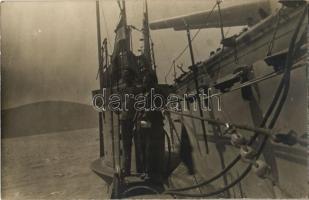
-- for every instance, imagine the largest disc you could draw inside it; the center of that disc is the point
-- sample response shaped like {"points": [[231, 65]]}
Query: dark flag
{"points": [[119, 59], [120, 39]]}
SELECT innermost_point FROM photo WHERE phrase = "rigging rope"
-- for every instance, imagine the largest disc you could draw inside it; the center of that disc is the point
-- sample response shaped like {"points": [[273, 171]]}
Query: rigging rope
{"points": [[264, 131], [272, 41], [257, 80], [107, 32], [187, 46], [169, 147]]}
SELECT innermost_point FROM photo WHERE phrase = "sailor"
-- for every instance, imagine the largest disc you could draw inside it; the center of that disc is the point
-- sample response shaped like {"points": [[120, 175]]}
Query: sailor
{"points": [[126, 118], [152, 132]]}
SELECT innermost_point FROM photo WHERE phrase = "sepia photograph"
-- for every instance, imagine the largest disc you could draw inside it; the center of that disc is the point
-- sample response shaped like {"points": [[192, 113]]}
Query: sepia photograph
{"points": [[154, 99]]}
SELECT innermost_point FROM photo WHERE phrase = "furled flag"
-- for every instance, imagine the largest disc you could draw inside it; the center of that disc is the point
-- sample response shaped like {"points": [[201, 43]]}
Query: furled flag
{"points": [[120, 47]]}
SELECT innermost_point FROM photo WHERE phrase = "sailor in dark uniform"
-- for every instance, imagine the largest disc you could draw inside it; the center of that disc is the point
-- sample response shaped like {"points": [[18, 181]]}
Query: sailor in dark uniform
{"points": [[151, 132], [126, 119]]}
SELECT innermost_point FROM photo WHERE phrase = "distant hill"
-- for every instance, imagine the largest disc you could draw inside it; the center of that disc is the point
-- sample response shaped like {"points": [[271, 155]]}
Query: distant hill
{"points": [[47, 117]]}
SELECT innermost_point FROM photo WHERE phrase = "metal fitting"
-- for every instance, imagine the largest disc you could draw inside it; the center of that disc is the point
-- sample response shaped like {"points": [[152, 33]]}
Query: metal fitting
{"points": [[247, 153], [238, 140], [261, 169]]}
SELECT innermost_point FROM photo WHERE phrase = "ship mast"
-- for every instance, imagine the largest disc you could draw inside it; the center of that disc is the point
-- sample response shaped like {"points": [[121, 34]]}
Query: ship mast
{"points": [[100, 75], [146, 37], [127, 30]]}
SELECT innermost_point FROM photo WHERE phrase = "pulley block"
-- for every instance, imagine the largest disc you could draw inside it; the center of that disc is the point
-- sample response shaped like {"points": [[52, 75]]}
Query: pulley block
{"points": [[238, 140], [247, 153], [261, 169]]}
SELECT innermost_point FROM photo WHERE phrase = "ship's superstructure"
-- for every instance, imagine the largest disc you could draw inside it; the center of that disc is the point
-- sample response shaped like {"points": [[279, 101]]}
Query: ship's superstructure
{"points": [[250, 143]]}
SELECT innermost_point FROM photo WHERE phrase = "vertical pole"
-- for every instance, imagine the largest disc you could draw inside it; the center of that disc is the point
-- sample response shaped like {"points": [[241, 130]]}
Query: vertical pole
{"points": [[153, 58], [128, 32], [101, 138], [220, 16], [124, 53], [118, 133], [106, 54], [195, 73], [174, 66], [98, 30], [146, 36], [101, 135]]}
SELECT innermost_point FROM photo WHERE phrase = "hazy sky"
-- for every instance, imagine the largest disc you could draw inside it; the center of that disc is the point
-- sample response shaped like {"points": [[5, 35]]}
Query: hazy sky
{"points": [[49, 49]]}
